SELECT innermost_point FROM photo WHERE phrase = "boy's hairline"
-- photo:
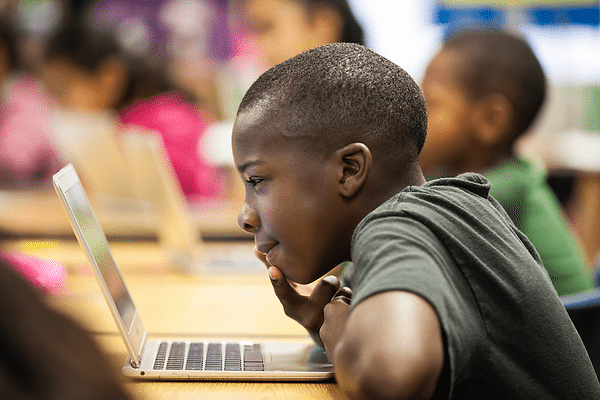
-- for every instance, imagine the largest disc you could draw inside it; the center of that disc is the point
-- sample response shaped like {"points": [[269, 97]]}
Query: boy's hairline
{"points": [[309, 143]]}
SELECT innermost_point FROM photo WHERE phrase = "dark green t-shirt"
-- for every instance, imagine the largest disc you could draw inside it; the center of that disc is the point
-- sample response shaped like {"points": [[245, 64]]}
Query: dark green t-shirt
{"points": [[522, 190], [506, 333]]}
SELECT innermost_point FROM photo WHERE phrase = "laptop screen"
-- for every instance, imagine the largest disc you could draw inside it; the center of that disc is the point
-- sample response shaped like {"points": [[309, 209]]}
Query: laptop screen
{"points": [[92, 238], [98, 247]]}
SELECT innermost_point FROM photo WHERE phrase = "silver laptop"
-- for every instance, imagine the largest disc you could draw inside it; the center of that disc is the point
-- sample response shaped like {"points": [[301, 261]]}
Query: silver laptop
{"points": [[155, 182], [179, 359]]}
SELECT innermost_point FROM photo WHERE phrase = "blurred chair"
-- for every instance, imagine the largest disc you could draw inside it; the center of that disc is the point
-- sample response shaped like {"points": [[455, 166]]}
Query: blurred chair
{"points": [[584, 310]]}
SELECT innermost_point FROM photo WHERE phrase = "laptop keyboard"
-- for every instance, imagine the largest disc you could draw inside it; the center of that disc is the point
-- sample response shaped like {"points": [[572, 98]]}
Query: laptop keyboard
{"points": [[214, 356]]}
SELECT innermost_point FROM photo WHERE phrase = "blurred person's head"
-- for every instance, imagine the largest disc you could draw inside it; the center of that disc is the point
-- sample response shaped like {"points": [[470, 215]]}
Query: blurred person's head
{"points": [[44, 354], [85, 69], [483, 90], [284, 28], [89, 69]]}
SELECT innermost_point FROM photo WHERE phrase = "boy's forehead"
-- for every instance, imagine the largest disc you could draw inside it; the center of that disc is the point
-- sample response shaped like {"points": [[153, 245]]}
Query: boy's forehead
{"points": [[258, 124], [257, 131]]}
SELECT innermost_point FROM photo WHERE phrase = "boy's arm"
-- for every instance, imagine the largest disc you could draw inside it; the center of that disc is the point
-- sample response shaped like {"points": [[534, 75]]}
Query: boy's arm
{"points": [[389, 347]]}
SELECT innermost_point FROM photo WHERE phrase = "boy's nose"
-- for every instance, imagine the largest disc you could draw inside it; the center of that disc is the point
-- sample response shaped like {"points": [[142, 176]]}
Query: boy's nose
{"points": [[248, 219]]}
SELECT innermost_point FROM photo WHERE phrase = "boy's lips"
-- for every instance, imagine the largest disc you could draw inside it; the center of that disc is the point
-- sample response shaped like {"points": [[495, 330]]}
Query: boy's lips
{"points": [[265, 248]]}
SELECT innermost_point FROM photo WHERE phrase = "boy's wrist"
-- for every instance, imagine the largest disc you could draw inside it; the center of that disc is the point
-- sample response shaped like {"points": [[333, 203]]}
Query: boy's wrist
{"points": [[317, 339]]}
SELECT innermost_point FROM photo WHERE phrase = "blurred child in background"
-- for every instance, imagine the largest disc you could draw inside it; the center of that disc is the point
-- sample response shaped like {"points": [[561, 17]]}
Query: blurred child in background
{"points": [[268, 32], [27, 156], [483, 90], [99, 88], [281, 29]]}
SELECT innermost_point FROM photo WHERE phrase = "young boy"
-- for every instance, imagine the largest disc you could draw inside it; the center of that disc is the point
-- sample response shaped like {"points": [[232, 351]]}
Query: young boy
{"points": [[483, 90], [448, 298]]}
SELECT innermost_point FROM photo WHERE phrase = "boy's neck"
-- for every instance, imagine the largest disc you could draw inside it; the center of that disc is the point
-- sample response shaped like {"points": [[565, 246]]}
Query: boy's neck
{"points": [[386, 189]]}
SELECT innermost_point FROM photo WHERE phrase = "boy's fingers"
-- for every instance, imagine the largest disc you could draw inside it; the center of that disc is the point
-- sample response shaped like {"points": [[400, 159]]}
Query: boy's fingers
{"points": [[284, 291], [344, 294], [275, 273], [324, 291]]}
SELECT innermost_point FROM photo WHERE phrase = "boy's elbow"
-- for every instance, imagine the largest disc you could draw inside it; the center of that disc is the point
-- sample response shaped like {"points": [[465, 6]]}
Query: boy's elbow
{"points": [[381, 374]]}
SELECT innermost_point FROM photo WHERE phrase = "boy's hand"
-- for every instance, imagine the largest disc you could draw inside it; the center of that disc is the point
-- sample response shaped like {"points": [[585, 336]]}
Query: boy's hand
{"points": [[303, 303], [335, 316]]}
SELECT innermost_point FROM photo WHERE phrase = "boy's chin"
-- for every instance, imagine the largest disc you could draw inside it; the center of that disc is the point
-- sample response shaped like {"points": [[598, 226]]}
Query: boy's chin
{"points": [[306, 277], [301, 280]]}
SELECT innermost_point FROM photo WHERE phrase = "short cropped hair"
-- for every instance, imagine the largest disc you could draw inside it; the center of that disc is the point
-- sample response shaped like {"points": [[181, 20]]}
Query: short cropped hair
{"points": [[496, 61], [341, 93]]}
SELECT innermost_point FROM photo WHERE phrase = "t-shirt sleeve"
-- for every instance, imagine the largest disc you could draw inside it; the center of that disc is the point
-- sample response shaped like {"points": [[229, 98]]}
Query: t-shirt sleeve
{"points": [[398, 253]]}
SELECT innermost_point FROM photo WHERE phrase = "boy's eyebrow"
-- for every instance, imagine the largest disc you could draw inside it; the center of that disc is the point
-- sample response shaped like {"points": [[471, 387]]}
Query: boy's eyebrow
{"points": [[248, 164]]}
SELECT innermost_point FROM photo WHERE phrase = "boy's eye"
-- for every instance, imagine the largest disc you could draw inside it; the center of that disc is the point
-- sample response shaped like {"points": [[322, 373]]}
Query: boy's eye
{"points": [[253, 181]]}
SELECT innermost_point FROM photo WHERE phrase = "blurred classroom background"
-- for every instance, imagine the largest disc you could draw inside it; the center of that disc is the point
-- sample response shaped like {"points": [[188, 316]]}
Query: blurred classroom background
{"points": [[81, 81], [203, 50]]}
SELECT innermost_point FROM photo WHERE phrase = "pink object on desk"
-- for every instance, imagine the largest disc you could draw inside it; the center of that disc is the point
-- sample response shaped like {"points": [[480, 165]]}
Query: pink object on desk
{"points": [[47, 275]]}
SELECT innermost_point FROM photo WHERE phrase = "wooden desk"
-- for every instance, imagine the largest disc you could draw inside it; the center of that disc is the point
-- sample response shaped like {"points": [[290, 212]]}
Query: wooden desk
{"points": [[218, 301], [38, 213]]}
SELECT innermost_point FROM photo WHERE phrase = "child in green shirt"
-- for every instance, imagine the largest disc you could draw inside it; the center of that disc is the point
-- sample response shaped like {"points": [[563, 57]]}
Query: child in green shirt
{"points": [[483, 90]]}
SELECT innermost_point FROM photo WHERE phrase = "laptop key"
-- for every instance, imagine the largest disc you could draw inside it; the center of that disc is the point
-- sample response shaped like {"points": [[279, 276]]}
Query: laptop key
{"points": [[161, 355], [253, 360], [233, 357], [176, 356], [214, 357], [195, 357]]}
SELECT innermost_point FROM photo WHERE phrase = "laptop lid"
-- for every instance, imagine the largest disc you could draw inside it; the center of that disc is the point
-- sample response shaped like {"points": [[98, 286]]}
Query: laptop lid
{"points": [[92, 239], [155, 181], [89, 142]]}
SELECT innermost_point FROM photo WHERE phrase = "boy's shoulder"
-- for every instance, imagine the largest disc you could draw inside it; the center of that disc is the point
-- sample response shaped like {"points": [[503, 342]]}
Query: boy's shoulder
{"points": [[452, 209], [455, 210], [471, 188]]}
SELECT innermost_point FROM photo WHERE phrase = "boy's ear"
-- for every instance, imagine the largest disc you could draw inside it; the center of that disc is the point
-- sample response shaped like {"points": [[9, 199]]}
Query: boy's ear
{"points": [[354, 161], [494, 118]]}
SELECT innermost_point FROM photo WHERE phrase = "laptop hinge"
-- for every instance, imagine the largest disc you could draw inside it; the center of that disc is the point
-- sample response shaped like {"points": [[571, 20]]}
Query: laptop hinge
{"points": [[142, 347]]}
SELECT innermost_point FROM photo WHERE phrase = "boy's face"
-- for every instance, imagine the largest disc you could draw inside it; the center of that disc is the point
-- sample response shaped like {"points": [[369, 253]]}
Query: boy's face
{"points": [[450, 125], [291, 205]]}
